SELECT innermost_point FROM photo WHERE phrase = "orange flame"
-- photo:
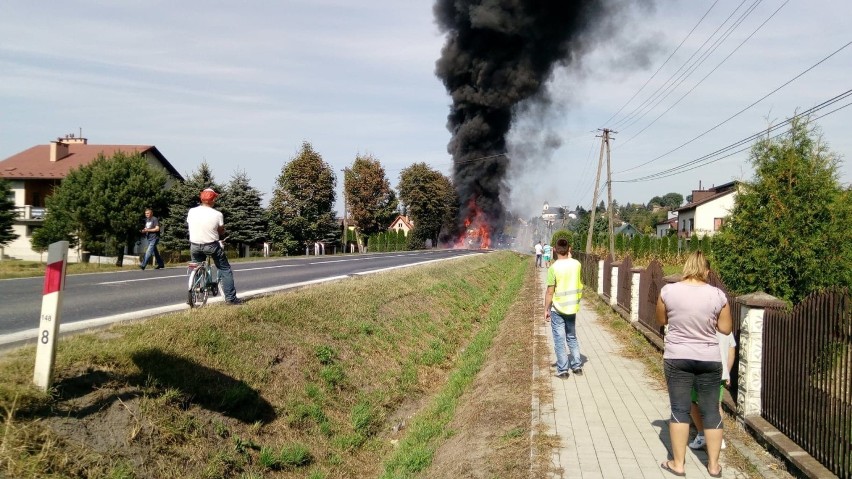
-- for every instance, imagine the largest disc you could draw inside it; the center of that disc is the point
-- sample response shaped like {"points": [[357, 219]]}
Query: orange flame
{"points": [[477, 233]]}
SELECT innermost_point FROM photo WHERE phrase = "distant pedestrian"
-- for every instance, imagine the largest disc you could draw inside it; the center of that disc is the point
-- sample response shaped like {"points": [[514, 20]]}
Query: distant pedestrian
{"points": [[546, 251], [538, 252], [152, 234], [561, 305], [694, 312]]}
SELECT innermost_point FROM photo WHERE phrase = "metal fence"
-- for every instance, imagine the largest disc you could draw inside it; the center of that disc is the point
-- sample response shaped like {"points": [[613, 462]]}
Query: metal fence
{"points": [[807, 376]]}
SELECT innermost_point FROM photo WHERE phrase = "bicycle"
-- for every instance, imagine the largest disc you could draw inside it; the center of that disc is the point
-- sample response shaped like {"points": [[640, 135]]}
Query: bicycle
{"points": [[201, 283]]}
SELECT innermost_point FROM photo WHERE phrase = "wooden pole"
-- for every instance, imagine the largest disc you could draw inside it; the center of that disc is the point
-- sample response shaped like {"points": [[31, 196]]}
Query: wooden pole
{"points": [[609, 195], [595, 198]]}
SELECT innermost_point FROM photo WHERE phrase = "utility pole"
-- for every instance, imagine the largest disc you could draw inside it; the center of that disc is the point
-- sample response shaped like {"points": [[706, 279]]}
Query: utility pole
{"points": [[609, 195], [595, 197], [345, 225]]}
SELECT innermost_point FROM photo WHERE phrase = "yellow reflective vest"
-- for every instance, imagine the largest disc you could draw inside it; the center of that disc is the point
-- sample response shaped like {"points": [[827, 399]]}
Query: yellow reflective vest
{"points": [[564, 274]]}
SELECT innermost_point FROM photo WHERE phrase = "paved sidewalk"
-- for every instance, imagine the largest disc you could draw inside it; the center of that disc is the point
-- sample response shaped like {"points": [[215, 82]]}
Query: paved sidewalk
{"points": [[612, 420]]}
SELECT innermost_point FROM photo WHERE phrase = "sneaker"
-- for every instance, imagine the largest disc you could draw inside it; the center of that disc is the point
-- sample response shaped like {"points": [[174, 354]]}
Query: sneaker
{"points": [[578, 371], [159, 267], [142, 268], [563, 374], [235, 302], [698, 443]]}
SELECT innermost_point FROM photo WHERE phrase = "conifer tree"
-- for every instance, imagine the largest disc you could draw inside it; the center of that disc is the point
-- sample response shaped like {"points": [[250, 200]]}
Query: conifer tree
{"points": [[7, 214], [788, 232]]}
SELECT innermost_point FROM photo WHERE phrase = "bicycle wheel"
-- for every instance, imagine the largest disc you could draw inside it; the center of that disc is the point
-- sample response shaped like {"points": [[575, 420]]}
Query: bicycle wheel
{"points": [[198, 292]]}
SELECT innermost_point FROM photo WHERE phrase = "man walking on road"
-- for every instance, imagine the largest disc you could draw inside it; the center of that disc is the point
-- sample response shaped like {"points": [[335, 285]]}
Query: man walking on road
{"points": [[152, 234], [561, 304], [206, 229]]}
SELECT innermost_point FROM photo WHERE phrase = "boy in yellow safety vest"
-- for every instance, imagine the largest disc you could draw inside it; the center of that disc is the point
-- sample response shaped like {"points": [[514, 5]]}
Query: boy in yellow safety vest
{"points": [[561, 304]]}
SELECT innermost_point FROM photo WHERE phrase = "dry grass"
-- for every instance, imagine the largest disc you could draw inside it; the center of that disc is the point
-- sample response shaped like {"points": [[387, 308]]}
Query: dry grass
{"points": [[491, 428], [303, 384]]}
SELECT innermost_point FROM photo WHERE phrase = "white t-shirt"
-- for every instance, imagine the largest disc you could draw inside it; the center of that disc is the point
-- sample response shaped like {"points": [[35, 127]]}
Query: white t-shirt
{"points": [[204, 223], [538, 248], [726, 342]]}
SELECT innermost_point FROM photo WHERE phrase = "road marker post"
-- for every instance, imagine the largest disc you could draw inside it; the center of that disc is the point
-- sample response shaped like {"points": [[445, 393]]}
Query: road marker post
{"points": [[51, 308]]}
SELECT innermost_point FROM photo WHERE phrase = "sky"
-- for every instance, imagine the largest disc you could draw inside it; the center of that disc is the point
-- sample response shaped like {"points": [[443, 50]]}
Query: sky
{"points": [[241, 85]]}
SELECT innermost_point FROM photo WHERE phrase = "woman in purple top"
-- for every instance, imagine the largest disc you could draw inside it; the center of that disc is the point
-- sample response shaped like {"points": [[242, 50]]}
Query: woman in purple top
{"points": [[694, 311]]}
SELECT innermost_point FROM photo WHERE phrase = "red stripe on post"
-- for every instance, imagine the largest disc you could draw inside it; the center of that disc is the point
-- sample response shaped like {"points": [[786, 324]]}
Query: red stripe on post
{"points": [[53, 277]]}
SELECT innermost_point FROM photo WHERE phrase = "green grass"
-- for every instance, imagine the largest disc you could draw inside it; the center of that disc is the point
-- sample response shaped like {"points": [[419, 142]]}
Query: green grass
{"points": [[304, 382]]}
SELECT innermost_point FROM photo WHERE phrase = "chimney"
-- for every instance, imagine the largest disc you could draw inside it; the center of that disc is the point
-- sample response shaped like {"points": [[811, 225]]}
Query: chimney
{"points": [[58, 150]]}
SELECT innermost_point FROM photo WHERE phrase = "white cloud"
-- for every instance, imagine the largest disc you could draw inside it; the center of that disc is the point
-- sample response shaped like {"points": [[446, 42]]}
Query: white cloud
{"points": [[242, 85]]}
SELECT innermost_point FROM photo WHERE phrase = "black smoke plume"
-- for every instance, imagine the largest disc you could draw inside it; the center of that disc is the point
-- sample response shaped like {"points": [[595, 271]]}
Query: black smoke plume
{"points": [[498, 54]]}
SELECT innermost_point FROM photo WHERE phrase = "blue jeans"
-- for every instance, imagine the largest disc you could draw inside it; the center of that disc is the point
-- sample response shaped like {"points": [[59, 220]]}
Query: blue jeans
{"points": [[684, 374], [200, 252], [564, 329], [152, 250]]}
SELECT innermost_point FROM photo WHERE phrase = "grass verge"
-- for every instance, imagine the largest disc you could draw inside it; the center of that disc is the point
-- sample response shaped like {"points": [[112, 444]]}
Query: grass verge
{"points": [[301, 384]]}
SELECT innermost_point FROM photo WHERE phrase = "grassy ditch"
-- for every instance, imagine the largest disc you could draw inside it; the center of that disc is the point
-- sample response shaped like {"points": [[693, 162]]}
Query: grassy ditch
{"points": [[313, 383]]}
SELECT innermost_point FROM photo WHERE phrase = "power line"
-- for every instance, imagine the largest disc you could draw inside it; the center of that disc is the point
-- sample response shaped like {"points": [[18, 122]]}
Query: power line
{"points": [[692, 68], [741, 111], [708, 74], [614, 115], [665, 85], [709, 158]]}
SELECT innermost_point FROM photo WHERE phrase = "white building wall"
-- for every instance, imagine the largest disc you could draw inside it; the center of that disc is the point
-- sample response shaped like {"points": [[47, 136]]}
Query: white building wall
{"points": [[706, 214], [683, 222]]}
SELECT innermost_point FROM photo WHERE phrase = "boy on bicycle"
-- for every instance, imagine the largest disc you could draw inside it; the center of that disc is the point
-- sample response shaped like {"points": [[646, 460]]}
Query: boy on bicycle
{"points": [[206, 228]]}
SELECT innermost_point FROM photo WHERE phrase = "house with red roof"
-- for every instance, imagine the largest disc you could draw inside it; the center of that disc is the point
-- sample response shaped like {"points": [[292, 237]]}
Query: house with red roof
{"points": [[403, 223], [34, 172]]}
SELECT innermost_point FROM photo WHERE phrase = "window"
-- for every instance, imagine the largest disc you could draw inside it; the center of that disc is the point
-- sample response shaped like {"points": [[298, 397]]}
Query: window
{"points": [[691, 225], [717, 223]]}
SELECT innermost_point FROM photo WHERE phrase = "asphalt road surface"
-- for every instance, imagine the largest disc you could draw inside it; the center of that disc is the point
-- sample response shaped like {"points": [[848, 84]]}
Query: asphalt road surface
{"points": [[96, 299]]}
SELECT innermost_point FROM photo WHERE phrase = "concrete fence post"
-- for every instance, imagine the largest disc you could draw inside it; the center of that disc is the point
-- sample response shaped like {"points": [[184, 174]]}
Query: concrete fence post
{"points": [[600, 277], [613, 286], [752, 307], [634, 295]]}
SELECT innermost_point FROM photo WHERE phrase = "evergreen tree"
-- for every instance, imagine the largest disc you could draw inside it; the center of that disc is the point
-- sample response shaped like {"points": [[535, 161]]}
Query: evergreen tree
{"points": [[370, 201], [102, 204], [7, 214], [301, 207], [788, 232], [245, 218], [183, 196]]}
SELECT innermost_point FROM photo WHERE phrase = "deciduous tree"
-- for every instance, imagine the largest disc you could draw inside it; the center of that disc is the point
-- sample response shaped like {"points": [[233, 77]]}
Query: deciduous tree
{"points": [[301, 211], [430, 200], [370, 201]]}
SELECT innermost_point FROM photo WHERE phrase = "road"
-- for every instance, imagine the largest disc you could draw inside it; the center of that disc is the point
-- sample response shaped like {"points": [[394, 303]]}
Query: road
{"points": [[96, 299]]}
